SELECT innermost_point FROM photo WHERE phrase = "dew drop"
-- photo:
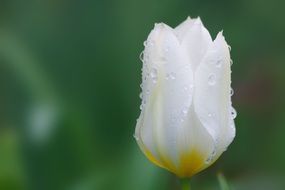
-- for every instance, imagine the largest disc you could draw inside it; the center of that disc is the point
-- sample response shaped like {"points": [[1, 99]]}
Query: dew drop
{"points": [[233, 113], [170, 76], [211, 156], [136, 137], [153, 75], [212, 79], [141, 95], [214, 152], [208, 160], [231, 62], [145, 43], [185, 110], [147, 91], [230, 48], [145, 57], [142, 56], [231, 91], [219, 63], [210, 115]]}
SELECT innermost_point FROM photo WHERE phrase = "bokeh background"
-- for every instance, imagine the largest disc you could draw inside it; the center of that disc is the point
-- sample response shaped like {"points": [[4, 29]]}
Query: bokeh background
{"points": [[69, 83]]}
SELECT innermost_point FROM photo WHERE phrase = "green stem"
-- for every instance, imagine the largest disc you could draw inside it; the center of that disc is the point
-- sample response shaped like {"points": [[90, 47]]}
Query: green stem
{"points": [[185, 184], [223, 182]]}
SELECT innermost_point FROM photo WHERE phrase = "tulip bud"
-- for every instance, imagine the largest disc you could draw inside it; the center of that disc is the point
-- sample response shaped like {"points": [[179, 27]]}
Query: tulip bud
{"points": [[186, 120]]}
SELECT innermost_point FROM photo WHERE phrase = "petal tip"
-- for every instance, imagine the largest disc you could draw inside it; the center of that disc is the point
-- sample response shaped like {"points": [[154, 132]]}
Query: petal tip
{"points": [[198, 21], [220, 37], [158, 25], [221, 34]]}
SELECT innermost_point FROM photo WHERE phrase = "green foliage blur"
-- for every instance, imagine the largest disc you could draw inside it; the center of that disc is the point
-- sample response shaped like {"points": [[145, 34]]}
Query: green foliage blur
{"points": [[69, 83]]}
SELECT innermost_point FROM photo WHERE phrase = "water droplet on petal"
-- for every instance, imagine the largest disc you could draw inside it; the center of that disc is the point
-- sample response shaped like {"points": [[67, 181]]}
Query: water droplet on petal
{"points": [[231, 91], [145, 57], [143, 104], [136, 137], [151, 43], [230, 48], [141, 95], [211, 156], [171, 76], [142, 56], [145, 43], [185, 110], [219, 63], [153, 75], [212, 79], [208, 160], [214, 152], [231, 62], [210, 115], [147, 91], [233, 113]]}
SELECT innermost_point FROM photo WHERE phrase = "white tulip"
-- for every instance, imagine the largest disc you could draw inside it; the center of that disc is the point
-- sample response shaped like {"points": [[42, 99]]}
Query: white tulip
{"points": [[186, 119]]}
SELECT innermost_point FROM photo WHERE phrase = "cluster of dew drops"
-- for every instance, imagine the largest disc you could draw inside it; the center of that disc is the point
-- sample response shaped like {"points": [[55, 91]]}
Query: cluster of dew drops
{"points": [[171, 76], [233, 113], [151, 73]]}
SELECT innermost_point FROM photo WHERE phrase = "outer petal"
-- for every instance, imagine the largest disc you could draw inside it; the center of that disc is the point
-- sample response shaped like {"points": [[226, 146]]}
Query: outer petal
{"points": [[212, 99], [195, 38], [167, 96]]}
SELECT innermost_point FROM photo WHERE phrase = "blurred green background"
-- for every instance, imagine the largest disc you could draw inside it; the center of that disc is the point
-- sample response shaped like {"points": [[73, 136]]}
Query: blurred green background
{"points": [[69, 82]]}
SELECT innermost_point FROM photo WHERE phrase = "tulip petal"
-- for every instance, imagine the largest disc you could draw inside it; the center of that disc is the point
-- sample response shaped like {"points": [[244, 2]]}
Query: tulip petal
{"points": [[167, 93], [195, 38], [182, 29], [195, 145], [212, 99]]}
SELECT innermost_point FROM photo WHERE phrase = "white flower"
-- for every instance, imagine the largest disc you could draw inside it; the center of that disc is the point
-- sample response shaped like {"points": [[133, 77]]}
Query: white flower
{"points": [[186, 119]]}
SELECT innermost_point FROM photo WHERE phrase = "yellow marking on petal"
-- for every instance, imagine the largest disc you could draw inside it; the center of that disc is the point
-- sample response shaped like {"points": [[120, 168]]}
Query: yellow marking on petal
{"points": [[150, 156], [167, 163], [162, 161], [190, 163]]}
